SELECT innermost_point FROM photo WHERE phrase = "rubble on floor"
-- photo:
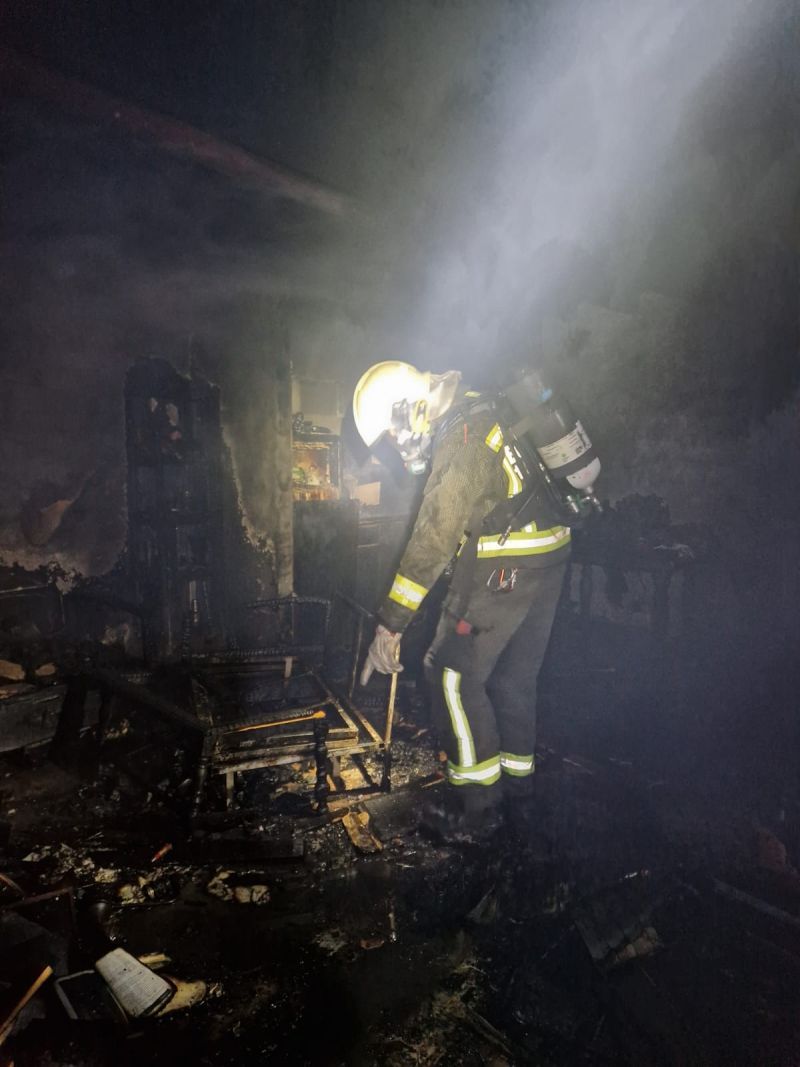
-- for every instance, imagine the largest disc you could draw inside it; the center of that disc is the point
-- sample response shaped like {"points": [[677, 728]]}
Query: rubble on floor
{"points": [[598, 937]]}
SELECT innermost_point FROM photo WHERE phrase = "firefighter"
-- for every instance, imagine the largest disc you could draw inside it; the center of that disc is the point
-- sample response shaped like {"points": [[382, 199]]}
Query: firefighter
{"points": [[496, 619]]}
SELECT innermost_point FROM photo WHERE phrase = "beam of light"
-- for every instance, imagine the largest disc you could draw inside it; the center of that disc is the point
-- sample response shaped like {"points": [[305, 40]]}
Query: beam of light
{"points": [[585, 111]]}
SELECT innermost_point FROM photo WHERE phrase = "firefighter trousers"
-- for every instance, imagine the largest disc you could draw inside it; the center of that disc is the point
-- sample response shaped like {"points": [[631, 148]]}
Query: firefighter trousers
{"points": [[483, 667]]}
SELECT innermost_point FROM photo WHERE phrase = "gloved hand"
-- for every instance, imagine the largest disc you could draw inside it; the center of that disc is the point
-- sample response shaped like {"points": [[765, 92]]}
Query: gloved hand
{"points": [[383, 655]]}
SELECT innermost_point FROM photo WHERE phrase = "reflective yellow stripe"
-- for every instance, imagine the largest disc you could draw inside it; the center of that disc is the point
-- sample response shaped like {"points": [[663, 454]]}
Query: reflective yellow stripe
{"points": [[496, 441], [526, 542], [486, 773], [494, 438], [451, 683], [512, 472], [409, 594], [519, 766]]}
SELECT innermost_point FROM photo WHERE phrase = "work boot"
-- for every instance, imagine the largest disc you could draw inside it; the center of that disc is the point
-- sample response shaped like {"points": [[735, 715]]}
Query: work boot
{"points": [[527, 814], [519, 799], [463, 814]]}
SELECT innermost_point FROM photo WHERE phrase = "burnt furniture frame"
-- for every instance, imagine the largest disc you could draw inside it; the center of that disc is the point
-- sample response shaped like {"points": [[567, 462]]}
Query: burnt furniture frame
{"points": [[228, 727]]}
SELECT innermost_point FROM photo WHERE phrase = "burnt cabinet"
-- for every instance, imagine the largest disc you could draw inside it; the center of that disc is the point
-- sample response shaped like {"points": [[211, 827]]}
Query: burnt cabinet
{"points": [[175, 507]]}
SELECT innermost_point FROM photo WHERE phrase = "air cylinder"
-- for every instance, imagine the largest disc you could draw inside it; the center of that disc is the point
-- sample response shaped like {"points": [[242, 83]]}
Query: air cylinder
{"points": [[558, 436]]}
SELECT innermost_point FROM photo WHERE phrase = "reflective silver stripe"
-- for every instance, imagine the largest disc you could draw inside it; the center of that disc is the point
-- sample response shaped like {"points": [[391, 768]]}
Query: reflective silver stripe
{"points": [[486, 774], [512, 472], [516, 763], [409, 594], [451, 682], [523, 544]]}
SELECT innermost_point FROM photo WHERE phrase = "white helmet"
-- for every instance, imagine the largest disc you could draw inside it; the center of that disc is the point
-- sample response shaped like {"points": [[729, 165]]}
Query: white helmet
{"points": [[397, 398]]}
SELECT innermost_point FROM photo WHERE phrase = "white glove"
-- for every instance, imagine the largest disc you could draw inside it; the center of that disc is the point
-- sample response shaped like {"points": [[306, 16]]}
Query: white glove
{"points": [[383, 655]]}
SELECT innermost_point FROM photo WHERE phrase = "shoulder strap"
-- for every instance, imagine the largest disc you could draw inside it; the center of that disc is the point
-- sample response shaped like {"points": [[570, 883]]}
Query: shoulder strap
{"points": [[471, 404]]}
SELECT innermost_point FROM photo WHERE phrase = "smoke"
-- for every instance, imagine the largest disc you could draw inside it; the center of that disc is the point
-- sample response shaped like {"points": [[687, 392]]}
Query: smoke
{"points": [[515, 159], [581, 121], [495, 151], [513, 164]]}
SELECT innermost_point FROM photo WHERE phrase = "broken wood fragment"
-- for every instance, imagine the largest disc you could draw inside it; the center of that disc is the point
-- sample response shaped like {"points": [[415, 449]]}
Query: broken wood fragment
{"points": [[356, 823], [7, 881], [738, 895], [7, 1025], [154, 960], [370, 943], [39, 898], [11, 672], [490, 1033]]}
